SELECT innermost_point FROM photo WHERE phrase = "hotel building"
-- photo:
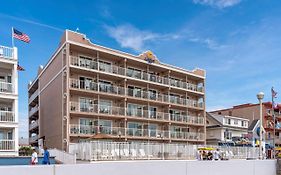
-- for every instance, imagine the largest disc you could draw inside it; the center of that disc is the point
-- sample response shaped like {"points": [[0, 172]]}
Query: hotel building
{"points": [[251, 112], [90, 92], [8, 101]]}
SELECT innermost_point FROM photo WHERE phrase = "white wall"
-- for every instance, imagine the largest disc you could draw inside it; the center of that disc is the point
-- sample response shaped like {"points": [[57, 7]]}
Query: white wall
{"points": [[160, 167]]}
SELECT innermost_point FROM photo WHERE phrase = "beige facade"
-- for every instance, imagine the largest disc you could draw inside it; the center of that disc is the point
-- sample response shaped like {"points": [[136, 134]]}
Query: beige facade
{"points": [[87, 92], [251, 112]]}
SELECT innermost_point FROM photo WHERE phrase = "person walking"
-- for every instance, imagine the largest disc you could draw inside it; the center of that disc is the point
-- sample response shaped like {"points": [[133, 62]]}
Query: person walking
{"points": [[217, 154], [34, 157], [46, 158]]}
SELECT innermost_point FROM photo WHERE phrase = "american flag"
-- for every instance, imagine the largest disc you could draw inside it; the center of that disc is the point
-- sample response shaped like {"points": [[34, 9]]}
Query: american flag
{"points": [[21, 36], [19, 68], [273, 93]]}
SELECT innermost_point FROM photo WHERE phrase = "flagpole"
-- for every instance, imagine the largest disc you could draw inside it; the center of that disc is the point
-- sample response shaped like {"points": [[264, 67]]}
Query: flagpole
{"points": [[273, 116], [13, 44]]}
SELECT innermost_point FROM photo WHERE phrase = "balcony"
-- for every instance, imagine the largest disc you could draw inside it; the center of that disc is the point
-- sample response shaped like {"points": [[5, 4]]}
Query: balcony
{"points": [[33, 125], [119, 132], [141, 75], [6, 87], [33, 96], [135, 113], [147, 95], [7, 116], [33, 110], [7, 145], [33, 139], [6, 52]]}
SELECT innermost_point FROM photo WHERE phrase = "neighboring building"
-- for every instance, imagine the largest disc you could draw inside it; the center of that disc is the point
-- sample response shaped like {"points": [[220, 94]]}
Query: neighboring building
{"points": [[8, 101], [251, 112], [223, 128], [87, 91]]}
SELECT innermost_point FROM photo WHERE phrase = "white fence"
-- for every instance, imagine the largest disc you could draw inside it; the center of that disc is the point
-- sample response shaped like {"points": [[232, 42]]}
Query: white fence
{"points": [[63, 157], [101, 150], [149, 167]]}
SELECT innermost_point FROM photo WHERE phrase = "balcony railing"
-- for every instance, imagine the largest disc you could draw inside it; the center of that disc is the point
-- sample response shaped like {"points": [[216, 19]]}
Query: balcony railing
{"points": [[33, 110], [33, 138], [139, 113], [6, 52], [33, 125], [7, 116], [89, 130], [6, 87], [7, 145], [100, 87], [89, 64], [33, 96]]}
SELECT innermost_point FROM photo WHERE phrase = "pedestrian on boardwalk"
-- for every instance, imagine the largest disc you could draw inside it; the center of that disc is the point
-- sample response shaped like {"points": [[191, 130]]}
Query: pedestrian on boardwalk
{"points": [[46, 158], [34, 157], [217, 154]]}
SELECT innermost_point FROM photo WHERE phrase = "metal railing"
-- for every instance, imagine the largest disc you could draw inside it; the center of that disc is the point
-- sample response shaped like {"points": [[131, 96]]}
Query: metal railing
{"points": [[6, 52], [7, 145], [33, 125], [90, 64], [33, 96], [132, 112], [7, 116], [101, 87], [33, 138], [33, 110], [6, 87], [103, 150], [62, 156], [91, 130]]}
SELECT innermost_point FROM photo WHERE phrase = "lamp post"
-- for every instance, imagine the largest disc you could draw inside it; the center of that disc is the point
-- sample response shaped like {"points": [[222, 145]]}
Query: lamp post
{"points": [[260, 96]]}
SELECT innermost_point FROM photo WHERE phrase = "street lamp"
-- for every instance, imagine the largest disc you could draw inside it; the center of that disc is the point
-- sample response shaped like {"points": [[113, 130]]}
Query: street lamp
{"points": [[260, 96]]}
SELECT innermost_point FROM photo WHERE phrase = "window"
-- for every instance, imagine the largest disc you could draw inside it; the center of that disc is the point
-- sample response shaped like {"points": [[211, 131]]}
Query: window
{"points": [[135, 73], [152, 112], [152, 130], [105, 107], [152, 94], [228, 121], [105, 66], [235, 122], [134, 129], [134, 91], [86, 104], [105, 86], [227, 134], [86, 83], [135, 110], [175, 115], [85, 62]]}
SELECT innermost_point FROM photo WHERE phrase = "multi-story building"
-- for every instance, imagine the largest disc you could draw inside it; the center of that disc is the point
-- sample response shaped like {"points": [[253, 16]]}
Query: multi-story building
{"points": [[251, 112], [87, 91], [8, 101], [224, 128]]}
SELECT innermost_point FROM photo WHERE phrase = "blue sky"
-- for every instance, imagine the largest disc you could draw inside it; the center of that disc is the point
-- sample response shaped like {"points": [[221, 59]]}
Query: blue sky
{"points": [[236, 41]]}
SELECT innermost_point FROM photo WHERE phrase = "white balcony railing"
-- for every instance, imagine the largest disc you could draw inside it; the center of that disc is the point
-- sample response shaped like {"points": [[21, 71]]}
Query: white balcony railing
{"points": [[131, 112], [89, 130], [33, 96], [7, 145], [100, 87], [6, 52], [94, 65], [7, 116], [33, 125], [6, 87]]}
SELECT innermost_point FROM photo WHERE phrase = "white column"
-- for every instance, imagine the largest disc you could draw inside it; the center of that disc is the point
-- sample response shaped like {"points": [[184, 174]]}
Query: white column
{"points": [[15, 88], [16, 137]]}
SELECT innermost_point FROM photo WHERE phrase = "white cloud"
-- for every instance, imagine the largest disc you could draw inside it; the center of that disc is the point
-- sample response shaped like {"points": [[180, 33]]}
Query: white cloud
{"points": [[129, 36], [218, 3]]}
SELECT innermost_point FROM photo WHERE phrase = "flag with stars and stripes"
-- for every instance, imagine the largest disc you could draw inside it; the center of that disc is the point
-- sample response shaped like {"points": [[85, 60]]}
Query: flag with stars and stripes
{"points": [[20, 36]]}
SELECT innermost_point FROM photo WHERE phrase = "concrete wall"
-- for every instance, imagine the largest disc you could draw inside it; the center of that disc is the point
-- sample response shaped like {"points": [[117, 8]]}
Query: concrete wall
{"points": [[177, 167]]}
